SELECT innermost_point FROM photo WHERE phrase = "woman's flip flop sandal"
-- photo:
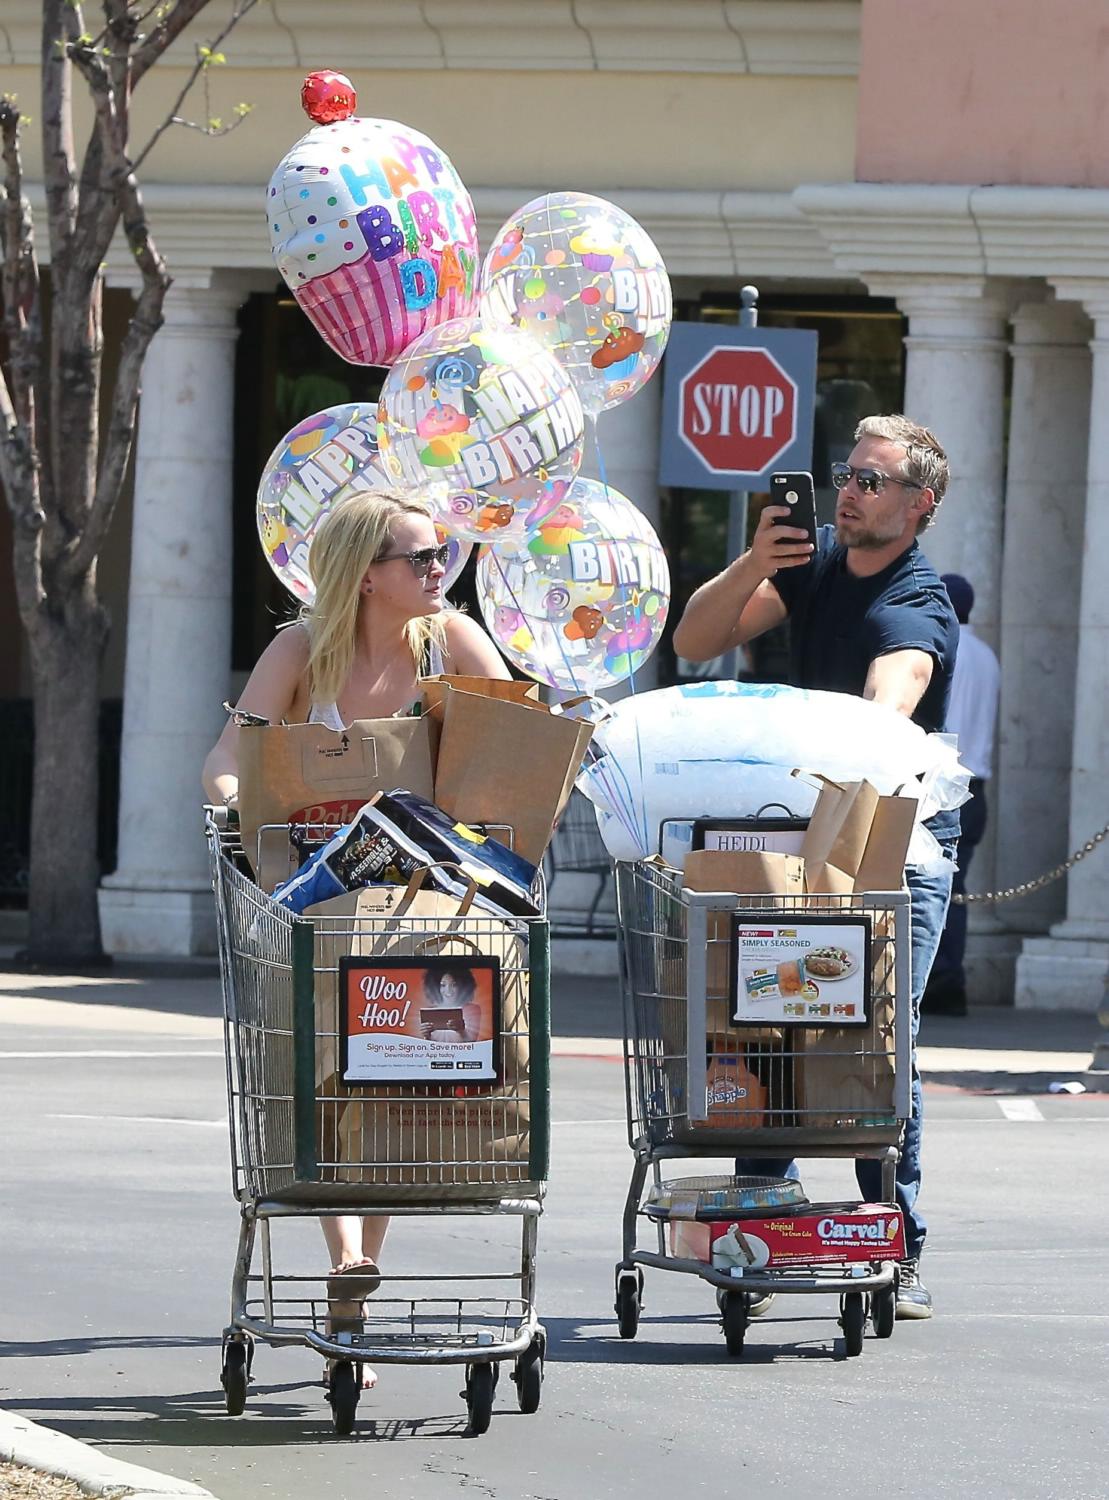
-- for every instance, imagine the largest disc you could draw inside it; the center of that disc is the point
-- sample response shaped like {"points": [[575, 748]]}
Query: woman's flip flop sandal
{"points": [[353, 1283]]}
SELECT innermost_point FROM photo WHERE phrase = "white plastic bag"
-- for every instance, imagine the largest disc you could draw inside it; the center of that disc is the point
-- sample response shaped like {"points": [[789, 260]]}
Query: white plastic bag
{"points": [[727, 749]]}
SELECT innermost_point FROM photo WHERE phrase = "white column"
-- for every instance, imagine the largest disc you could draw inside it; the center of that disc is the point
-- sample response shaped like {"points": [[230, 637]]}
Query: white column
{"points": [[1045, 502], [1070, 968], [627, 438], [955, 384], [178, 628], [955, 354]]}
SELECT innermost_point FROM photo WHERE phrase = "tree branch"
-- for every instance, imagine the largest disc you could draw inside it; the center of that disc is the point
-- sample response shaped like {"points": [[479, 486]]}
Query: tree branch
{"points": [[19, 283], [163, 36], [61, 23], [204, 59], [118, 439], [145, 322]]}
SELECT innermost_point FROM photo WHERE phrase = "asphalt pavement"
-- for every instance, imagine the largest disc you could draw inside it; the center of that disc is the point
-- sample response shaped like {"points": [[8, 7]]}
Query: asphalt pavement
{"points": [[120, 1231]]}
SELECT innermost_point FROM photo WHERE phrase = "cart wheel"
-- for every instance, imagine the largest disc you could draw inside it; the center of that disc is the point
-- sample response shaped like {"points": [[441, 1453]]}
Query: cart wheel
{"points": [[734, 1313], [528, 1376], [479, 1397], [853, 1320], [883, 1311], [343, 1394], [235, 1376], [629, 1302]]}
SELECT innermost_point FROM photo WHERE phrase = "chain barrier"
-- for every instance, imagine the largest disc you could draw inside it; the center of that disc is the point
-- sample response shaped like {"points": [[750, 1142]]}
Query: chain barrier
{"points": [[1010, 893]]}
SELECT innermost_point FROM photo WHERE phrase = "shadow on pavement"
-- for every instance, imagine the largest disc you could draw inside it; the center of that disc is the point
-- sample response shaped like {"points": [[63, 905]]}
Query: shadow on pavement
{"points": [[69, 1348], [197, 1419], [1002, 1029], [569, 1341], [187, 994]]}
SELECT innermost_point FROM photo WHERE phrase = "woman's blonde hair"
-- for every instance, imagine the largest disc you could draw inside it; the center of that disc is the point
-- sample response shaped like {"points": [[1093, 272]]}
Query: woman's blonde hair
{"points": [[355, 533]]}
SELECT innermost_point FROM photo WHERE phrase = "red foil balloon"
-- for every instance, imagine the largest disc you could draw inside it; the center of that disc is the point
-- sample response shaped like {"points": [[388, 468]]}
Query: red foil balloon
{"points": [[327, 97]]}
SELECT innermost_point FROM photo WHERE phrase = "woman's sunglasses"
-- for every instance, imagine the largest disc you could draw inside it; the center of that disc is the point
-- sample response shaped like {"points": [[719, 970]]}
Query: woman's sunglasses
{"points": [[422, 559], [869, 481]]}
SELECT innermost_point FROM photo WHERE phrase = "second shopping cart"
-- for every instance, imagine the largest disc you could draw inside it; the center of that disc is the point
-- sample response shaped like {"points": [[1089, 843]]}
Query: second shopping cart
{"points": [[762, 1026]]}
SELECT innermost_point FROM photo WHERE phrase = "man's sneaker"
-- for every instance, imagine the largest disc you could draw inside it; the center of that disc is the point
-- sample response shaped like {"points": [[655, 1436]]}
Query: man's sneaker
{"points": [[914, 1300]]}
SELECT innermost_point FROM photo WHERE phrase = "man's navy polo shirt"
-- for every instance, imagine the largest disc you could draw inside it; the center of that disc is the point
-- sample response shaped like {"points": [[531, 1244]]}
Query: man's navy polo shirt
{"points": [[840, 623]]}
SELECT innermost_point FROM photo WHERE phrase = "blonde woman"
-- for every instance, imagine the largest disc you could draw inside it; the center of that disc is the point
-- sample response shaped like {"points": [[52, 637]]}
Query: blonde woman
{"points": [[379, 622]]}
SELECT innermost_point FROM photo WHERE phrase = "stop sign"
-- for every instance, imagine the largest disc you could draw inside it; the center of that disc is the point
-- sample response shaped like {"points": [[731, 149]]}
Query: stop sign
{"points": [[737, 411]]}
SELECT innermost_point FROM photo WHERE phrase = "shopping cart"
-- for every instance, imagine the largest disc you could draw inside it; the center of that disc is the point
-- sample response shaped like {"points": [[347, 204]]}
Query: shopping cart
{"points": [[306, 1145], [816, 1088]]}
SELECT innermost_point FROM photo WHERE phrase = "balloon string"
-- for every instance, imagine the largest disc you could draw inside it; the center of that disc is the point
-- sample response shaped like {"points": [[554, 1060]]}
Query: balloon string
{"points": [[646, 843], [623, 811]]}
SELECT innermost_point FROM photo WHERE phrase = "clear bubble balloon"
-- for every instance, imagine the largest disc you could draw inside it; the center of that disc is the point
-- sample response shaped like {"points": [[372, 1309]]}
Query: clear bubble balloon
{"points": [[325, 457], [486, 420], [583, 603], [322, 456], [582, 277], [458, 556]]}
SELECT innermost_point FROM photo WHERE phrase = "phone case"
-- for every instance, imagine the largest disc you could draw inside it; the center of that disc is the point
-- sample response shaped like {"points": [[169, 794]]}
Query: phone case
{"points": [[803, 509]]}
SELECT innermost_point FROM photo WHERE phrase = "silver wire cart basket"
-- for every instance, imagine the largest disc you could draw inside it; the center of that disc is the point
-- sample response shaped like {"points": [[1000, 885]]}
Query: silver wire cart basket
{"points": [[699, 1084], [305, 1144]]}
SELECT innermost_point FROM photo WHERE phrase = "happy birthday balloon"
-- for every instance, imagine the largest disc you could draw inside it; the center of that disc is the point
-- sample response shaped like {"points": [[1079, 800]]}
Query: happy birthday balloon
{"points": [[582, 605], [322, 456], [586, 280], [372, 231], [489, 419], [458, 556]]}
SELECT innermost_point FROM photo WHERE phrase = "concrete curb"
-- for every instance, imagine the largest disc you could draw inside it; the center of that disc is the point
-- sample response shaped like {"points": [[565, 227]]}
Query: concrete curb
{"points": [[35, 1447]]}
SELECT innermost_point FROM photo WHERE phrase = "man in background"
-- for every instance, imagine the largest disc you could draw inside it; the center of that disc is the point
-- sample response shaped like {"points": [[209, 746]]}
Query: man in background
{"points": [[972, 715]]}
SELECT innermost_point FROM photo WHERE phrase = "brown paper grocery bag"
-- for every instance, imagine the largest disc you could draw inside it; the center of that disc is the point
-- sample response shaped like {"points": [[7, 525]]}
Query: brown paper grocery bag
{"points": [[507, 760], [844, 1075], [838, 831], [857, 840], [748, 872], [307, 773], [425, 1133], [883, 862], [435, 689]]}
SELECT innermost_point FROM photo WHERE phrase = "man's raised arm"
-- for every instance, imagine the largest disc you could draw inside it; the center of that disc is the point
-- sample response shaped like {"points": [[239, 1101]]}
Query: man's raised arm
{"points": [[741, 602]]}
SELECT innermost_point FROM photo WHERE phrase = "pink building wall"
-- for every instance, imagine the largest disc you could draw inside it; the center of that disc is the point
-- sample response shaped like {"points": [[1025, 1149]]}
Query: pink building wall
{"points": [[984, 91]]}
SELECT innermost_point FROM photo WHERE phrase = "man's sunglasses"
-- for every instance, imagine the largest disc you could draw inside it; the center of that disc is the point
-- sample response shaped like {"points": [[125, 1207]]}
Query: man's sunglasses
{"points": [[422, 559], [869, 481]]}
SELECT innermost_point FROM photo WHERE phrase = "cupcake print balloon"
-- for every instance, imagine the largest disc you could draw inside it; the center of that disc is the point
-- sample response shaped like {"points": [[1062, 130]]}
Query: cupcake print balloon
{"points": [[371, 229]]}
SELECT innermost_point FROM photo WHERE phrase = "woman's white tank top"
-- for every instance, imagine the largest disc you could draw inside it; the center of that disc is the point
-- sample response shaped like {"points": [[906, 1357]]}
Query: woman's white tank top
{"points": [[327, 714]]}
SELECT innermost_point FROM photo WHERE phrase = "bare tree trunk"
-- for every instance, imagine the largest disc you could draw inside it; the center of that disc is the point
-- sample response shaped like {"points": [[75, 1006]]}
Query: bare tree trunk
{"points": [[64, 442], [65, 654]]}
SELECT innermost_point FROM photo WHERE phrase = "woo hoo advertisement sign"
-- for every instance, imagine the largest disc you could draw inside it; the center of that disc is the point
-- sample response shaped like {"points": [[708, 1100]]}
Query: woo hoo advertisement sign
{"points": [[420, 1020]]}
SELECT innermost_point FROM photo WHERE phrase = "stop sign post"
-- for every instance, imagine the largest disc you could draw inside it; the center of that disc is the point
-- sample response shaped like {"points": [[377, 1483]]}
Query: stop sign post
{"points": [[738, 404]]}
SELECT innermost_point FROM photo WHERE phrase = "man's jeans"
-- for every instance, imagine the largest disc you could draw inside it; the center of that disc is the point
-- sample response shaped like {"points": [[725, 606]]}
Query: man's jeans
{"points": [[929, 895], [948, 966]]}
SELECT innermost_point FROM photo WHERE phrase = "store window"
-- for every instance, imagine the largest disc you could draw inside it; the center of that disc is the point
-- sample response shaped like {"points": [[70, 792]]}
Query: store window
{"points": [[860, 370], [284, 372]]}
